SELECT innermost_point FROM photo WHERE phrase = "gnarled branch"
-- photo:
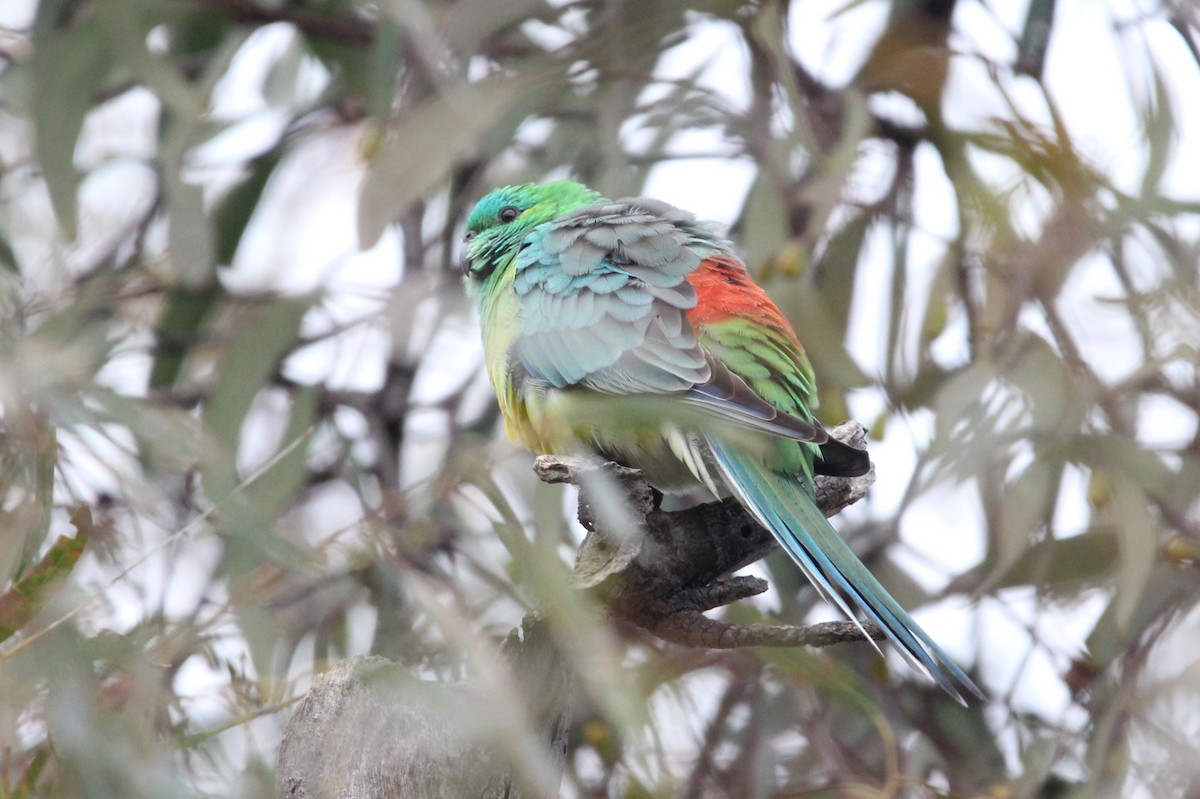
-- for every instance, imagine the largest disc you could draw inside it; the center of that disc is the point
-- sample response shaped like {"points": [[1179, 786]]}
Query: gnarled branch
{"points": [[661, 570], [368, 729]]}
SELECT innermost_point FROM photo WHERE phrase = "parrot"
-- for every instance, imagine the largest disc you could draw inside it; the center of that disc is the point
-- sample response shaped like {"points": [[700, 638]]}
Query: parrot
{"points": [[630, 330]]}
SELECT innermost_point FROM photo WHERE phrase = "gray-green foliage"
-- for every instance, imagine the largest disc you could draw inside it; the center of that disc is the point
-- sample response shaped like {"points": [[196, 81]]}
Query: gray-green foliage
{"points": [[250, 522]]}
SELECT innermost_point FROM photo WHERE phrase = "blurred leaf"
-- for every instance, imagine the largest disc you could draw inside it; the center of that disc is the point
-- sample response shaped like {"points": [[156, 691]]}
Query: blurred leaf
{"points": [[177, 330], [961, 398], [939, 301], [957, 739], [104, 718], [1124, 460], [28, 455], [383, 69], [1167, 587], [763, 227], [283, 78], [836, 269], [1026, 508], [1035, 38], [1065, 564], [128, 26], [189, 234], [69, 67], [259, 339], [235, 209], [576, 619], [270, 493], [29, 594], [26, 786], [168, 438], [190, 239], [196, 31], [428, 141], [1138, 537], [465, 28], [1160, 128], [911, 55], [817, 669], [8, 259]]}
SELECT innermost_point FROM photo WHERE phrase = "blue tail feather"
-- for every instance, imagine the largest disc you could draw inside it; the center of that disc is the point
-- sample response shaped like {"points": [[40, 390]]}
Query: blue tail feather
{"points": [[787, 510]]}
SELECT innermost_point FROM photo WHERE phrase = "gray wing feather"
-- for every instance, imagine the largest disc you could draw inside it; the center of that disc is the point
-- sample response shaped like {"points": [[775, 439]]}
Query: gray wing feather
{"points": [[604, 301]]}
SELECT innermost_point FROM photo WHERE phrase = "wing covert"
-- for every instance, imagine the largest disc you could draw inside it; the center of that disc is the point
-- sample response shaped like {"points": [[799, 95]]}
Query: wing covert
{"points": [[604, 300]]}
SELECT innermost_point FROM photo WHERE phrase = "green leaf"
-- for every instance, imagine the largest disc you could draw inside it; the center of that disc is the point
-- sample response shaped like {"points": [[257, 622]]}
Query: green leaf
{"points": [[234, 211], [764, 222], [279, 88], [69, 67], [40, 582], [1035, 38], [344, 48], [273, 490], [28, 457], [8, 258], [168, 438], [836, 268], [190, 238], [1026, 508], [1161, 132], [419, 152], [466, 29], [1127, 460], [1138, 537], [1062, 564], [1166, 586], [383, 68], [262, 336], [196, 31], [177, 330]]}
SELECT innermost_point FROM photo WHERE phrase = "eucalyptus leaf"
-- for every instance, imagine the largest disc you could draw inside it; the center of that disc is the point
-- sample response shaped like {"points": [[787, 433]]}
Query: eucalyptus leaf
{"points": [[260, 338], [234, 211], [289, 466], [420, 150], [37, 584], [178, 329], [68, 71]]}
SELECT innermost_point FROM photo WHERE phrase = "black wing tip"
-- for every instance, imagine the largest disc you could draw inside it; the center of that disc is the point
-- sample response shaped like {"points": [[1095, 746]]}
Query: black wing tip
{"points": [[842, 460]]}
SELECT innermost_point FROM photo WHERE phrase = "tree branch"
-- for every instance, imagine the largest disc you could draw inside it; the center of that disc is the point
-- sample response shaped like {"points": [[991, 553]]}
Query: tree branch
{"points": [[661, 570], [368, 729]]}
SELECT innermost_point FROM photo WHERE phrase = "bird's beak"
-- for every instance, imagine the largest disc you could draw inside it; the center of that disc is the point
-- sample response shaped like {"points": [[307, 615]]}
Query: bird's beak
{"points": [[466, 257]]}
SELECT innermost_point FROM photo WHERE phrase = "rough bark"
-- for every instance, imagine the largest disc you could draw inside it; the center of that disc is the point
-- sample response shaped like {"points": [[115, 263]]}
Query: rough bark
{"points": [[676, 567], [368, 729]]}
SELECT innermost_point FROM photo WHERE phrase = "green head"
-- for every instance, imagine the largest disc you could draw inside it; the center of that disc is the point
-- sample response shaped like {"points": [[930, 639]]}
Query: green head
{"points": [[505, 216]]}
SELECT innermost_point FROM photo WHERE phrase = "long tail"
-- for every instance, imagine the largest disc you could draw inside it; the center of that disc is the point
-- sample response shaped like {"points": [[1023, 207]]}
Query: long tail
{"points": [[785, 508]]}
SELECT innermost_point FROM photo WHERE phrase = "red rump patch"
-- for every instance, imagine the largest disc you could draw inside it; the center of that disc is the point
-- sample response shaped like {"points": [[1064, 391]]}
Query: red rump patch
{"points": [[726, 291]]}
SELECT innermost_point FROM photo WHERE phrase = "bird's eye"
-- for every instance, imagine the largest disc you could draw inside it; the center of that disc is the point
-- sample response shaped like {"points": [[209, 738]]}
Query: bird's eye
{"points": [[508, 213]]}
